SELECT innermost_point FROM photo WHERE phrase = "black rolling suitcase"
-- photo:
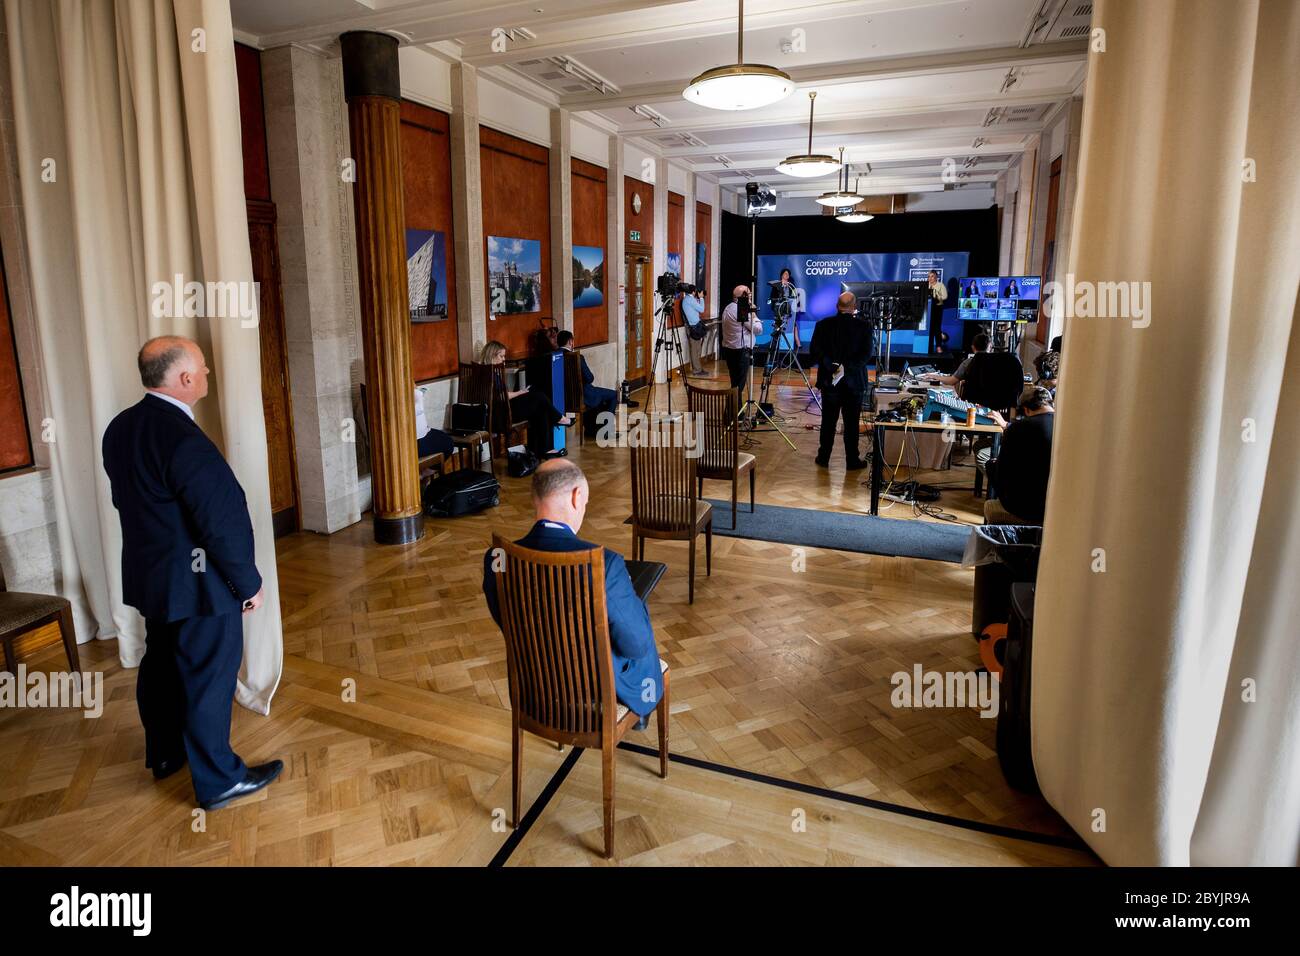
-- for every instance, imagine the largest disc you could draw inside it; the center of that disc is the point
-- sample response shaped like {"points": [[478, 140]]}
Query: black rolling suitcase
{"points": [[461, 493]]}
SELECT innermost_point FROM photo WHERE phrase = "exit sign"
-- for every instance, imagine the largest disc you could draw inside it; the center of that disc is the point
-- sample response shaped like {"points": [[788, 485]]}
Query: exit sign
{"points": [[634, 235]]}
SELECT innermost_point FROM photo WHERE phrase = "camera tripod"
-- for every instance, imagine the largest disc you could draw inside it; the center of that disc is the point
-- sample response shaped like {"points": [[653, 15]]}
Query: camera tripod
{"points": [[667, 343], [781, 354], [752, 411]]}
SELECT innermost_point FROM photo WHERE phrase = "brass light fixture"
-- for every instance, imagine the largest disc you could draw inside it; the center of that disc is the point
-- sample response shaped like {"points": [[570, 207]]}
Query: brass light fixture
{"points": [[739, 85], [840, 196], [809, 163]]}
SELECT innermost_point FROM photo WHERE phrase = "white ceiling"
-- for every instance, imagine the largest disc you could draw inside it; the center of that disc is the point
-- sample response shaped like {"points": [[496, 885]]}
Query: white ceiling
{"points": [[904, 85]]}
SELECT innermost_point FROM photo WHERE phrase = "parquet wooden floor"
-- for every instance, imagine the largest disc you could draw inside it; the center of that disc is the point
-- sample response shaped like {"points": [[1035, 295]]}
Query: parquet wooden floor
{"points": [[777, 671]]}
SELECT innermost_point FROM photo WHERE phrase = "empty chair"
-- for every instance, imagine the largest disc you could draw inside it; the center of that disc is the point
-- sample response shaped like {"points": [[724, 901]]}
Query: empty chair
{"points": [[481, 384], [559, 662], [573, 403], [722, 459], [21, 612], [665, 498]]}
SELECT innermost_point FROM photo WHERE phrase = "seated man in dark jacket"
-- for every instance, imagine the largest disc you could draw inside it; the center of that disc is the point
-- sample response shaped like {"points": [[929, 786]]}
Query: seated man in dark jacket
{"points": [[560, 501], [1020, 471], [594, 397]]}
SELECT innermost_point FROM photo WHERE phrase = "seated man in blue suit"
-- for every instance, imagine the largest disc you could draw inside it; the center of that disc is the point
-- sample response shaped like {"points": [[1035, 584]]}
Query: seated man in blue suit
{"points": [[560, 502], [595, 398], [187, 567]]}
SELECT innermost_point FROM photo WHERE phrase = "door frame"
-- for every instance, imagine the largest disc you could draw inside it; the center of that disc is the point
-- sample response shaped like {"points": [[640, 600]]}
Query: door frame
{"points": [[634, 251]]}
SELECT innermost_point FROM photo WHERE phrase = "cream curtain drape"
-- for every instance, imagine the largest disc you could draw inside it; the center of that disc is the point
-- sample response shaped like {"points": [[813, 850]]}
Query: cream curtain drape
{"points": [[1166, 676], [129, 159]]}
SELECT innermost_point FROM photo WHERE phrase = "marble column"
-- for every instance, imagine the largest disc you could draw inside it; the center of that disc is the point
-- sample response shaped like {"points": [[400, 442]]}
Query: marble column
{"points": [[467, 215], [373, 92], [614, 250], [660, 255], [307, 143], [561, 220]]}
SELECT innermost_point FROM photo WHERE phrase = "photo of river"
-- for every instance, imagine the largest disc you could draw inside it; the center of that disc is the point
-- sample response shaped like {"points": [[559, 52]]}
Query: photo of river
{"points": [[588, 276]]}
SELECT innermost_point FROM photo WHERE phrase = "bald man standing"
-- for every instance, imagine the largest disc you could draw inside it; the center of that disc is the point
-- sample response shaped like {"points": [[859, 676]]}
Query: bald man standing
{"points": [[188, 568], [841, 345], [738, 331]]}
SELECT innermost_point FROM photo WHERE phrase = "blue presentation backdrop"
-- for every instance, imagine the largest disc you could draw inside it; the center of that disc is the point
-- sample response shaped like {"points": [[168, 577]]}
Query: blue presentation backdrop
{"points": [[818, 278]]}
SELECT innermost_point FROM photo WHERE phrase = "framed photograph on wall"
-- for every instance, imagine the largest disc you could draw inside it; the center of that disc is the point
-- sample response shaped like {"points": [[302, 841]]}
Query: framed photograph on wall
{"points": [[701, 258], [514, 275], [588, 276], [675, 263], [426, 274]]}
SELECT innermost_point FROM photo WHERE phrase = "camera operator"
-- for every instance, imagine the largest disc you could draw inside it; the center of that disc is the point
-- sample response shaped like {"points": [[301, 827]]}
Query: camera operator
{"points": [[740, 324], [692, 302], [841, 345]]}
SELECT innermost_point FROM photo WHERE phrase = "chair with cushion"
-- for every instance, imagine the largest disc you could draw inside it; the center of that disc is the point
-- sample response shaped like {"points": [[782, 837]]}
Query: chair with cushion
{"points": [[481, 384], [665, 498], [722, 459], [573, 403], [22, 612], [559, 663]]}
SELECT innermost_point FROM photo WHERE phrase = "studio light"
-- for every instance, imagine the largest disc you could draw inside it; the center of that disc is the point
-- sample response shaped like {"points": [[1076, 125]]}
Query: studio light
{"points": [[739, 86], [841, 196], [809, 163]]}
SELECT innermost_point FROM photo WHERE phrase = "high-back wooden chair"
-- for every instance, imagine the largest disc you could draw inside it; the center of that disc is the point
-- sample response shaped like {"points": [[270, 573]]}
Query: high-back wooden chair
{"points": [[722, 459], [481, 384], [559, 663], [573, 393], [665, 499]]}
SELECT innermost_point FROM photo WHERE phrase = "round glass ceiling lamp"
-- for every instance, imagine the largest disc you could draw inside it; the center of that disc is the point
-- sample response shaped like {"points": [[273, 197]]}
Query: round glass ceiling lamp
{"points": [[853, 213], [841, 195], [809, 164], [739, 85]]}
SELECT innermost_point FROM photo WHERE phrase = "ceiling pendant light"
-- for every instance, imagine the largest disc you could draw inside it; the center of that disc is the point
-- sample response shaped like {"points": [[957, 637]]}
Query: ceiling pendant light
{"points": [[841, 196], [855, 213], [739, 86], [809, 163]]}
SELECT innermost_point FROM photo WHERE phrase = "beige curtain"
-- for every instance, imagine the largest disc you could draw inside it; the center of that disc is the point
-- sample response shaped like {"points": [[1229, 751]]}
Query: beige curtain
{"points": [[127, 127], [1166, 695]]}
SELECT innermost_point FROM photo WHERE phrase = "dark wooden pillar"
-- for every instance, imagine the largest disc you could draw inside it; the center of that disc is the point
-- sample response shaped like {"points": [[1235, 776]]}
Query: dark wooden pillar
{"points": [[370, 84]]}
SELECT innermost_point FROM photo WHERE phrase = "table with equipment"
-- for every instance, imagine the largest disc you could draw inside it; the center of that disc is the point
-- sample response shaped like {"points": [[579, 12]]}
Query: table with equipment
{"points": [[936, 428]]}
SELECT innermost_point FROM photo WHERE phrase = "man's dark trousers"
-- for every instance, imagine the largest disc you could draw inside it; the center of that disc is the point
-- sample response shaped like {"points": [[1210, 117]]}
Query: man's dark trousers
{"points": [[187, 680], [840, 404]]}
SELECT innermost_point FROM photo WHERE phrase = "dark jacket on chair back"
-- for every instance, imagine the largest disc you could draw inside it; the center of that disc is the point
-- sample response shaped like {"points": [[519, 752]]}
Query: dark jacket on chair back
{"points": [[174, 494]]}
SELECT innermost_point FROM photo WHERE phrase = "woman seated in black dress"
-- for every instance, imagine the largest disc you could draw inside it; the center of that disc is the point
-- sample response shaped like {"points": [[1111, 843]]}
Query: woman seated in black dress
{"points": [[531, 406]]}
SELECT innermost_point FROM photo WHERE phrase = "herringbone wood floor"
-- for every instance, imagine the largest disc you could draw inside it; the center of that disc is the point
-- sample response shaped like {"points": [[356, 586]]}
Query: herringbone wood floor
{"points": [[779, 671]]}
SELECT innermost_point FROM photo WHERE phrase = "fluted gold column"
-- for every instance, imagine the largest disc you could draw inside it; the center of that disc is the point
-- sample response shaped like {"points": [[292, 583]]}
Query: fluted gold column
{"points": [[370, 83]]}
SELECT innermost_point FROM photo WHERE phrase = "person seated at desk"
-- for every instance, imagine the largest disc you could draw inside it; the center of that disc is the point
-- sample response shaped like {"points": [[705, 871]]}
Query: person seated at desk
{"points": [[530, 406], [560, 495], [980, 344], [594, 397], [429, 440], [1019, 472]]}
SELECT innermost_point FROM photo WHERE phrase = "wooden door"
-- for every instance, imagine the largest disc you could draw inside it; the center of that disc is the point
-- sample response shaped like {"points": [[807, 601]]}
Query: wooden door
{"points": [[276, 408], [639, 318]]}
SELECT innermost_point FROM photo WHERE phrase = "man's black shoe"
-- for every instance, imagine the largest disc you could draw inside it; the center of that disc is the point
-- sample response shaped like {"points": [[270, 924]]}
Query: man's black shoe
{"points": [[165, 768], [822, 462], [254, 780], [855, 465], [631, 404]]}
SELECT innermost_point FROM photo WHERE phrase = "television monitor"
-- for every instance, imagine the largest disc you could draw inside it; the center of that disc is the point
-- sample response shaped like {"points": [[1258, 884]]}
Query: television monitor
{"points": [[992, 299]]}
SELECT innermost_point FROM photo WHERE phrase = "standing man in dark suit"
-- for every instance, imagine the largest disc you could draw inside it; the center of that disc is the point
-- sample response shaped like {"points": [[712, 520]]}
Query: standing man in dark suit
{"points": [[841, 345], [560, 501], [187, 567]]}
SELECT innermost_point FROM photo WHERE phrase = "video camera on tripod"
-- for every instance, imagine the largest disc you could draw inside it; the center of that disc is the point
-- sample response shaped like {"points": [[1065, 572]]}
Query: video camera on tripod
{"points": [[669, 285], [781, 299]]}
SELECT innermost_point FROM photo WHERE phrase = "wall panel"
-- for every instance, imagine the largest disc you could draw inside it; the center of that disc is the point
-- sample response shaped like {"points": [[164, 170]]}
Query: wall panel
{"points": [[426, 187], [590, 186], [516, 205]]}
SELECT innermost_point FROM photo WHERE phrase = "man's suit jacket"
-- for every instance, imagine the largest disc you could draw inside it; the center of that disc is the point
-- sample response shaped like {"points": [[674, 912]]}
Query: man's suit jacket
{"points": [[845, 339], [631, 637], [174, 493], [592, 395]]}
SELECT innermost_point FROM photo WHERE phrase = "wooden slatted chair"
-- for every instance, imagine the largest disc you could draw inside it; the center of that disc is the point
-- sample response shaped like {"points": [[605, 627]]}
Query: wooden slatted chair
{"points": [[481, 384], [722, 459], [559, 663], [665, 498], [573, 393]]}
